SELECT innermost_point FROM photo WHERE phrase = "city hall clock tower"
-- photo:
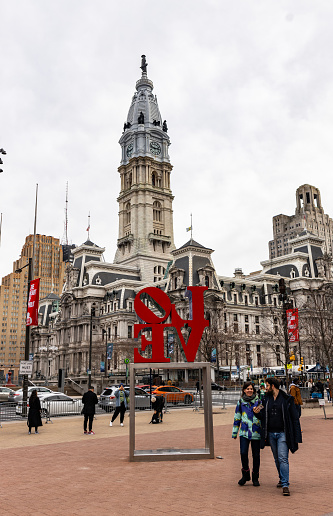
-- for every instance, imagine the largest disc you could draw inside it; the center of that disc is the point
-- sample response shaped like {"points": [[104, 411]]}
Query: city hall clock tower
{"points": [[145, 201]]}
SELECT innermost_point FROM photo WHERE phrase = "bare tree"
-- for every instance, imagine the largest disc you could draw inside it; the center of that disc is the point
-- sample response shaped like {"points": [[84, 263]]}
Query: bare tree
{"points": [[316, 318]]}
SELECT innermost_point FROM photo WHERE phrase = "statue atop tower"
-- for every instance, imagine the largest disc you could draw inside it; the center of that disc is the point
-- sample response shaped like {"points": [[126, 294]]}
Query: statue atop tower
{"points": [[144, 65]]}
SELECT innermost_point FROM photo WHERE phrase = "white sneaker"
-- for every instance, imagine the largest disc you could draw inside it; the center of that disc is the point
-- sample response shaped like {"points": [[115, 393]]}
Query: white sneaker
{"points": [[110, 423], [121, 424]]}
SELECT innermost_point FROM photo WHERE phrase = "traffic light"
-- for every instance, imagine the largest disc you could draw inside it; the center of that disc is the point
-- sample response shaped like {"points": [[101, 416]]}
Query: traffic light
{"points": [[292, 358], [282, 286], [302, 361]]}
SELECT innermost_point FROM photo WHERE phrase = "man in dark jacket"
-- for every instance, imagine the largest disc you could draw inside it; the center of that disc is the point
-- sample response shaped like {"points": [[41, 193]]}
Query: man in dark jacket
{"points": [[280, 428], [89, 400]]}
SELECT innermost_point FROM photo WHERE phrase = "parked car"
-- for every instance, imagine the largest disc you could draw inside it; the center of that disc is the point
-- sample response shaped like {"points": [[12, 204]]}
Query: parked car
{"points": [[173, 394], [217, 387], [56, 404], [146, 387], [107, 400], [17, 396], [4, 393]]}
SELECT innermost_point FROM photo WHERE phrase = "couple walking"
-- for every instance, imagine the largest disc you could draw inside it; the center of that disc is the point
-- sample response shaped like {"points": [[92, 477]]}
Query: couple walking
{"points": [[273, 421]]}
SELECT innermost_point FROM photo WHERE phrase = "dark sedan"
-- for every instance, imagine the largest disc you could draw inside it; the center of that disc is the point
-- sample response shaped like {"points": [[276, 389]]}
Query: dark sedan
{"points": [[217, 387]]}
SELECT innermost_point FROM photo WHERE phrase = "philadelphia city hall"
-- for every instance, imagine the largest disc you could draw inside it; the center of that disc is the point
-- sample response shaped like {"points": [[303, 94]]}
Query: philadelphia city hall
{"points": [[94, 319]]}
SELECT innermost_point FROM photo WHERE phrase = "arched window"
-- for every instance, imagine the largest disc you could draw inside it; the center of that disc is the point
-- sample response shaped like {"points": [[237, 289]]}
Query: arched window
{"points": [[128, 213], [157, 211], [207, 281], [153, 179]]}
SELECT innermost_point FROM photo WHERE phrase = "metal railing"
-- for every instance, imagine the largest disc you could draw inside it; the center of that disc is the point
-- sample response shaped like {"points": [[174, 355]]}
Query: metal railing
{"points": [[78, 388], [11, 411]]}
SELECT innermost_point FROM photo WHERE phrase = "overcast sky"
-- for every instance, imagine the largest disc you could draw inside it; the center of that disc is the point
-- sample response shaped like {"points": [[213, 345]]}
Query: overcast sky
{"points": [[246, 88]]}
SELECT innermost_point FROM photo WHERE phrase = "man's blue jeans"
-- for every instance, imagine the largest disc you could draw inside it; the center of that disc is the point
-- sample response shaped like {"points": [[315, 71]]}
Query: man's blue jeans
{"points": [[280, 453]]}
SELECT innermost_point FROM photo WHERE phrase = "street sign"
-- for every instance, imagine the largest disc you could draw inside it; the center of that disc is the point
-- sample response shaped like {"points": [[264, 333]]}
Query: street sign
{"points": [[127, 361], [289, 366], [26, 367], [31, 356]]}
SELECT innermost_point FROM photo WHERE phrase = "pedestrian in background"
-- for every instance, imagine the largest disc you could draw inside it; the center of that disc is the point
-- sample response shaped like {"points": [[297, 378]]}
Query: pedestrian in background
{"points": [[249, 427], [295, 392], [280, 428], [34, 418], [121, 404], [89, 400], [157, 404], [262, 390], [328, 390]]}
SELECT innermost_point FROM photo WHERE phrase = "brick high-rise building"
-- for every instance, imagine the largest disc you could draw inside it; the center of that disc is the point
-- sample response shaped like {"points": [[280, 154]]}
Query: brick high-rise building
{"points": [[49, 267]]}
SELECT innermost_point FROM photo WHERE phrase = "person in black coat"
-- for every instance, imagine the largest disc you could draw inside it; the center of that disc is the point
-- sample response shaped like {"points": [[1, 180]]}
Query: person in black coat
{"points": [[89, 400], [34, 418], [157, 403], [280, 428]]}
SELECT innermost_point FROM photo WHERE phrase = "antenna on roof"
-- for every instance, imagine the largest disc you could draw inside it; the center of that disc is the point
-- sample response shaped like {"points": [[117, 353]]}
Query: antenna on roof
{"points": [[65, 235]]}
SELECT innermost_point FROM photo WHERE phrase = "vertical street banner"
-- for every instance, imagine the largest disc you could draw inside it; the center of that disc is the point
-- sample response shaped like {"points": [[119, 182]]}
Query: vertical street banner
{"points": [[109, 350], [33, 301], [292, 325]]}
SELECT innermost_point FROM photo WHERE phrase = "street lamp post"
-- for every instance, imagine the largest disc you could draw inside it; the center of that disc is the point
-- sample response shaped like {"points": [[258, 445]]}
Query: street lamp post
{"points": [[27, 334], [286, 305], [92, 314]]}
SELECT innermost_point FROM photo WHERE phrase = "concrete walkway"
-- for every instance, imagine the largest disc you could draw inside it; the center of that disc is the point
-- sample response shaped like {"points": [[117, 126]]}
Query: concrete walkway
{"points": [[62, 471]]}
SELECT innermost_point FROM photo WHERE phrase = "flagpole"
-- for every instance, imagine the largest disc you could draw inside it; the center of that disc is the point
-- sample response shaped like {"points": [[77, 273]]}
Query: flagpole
{"points": [[191, 226], [0, 227], [34, 244], [88, 226]]}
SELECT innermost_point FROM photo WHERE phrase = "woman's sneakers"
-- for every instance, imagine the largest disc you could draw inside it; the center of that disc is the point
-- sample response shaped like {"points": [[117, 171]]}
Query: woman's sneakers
{"points": [[245, 477], [110, 423]]}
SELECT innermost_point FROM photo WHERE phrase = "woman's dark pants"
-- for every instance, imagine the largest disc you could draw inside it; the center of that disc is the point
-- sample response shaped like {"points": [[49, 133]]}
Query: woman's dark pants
{"points": [[244, 451], [120, 410]]}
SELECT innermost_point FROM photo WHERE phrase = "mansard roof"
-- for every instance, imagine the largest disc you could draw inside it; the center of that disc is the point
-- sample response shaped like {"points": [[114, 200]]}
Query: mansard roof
{"points": [[89, 243], [193, 243]]}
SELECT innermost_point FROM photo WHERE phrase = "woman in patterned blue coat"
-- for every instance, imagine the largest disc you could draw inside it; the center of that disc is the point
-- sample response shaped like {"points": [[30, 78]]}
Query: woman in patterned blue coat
{"points": [[249, 428]]}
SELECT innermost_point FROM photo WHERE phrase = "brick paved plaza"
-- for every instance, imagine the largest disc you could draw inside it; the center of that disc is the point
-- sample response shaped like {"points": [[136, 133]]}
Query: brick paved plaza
{"points": [[61, 471]]}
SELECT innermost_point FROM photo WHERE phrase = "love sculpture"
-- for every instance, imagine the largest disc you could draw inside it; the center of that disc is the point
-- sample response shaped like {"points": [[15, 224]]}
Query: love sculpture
{"points": [[197, 324]]}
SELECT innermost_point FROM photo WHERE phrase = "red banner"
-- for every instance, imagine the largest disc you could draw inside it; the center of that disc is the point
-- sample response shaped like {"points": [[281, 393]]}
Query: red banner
{"points": [[33, 301], [292, 324]]}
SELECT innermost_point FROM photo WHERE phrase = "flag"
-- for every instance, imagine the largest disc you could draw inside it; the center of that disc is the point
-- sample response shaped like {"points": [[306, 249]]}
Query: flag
{"points": [[32, 310], [88, 227], [189, 229]]}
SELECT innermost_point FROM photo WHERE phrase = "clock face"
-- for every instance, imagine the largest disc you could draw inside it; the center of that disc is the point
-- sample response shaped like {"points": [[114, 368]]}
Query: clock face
{"points": [[129, 150], [155, 148]]}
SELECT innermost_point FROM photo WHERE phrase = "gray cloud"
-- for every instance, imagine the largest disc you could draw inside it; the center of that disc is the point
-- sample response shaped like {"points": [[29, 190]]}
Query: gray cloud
{"points": [[246, 88]]}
